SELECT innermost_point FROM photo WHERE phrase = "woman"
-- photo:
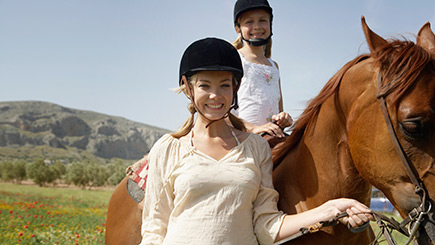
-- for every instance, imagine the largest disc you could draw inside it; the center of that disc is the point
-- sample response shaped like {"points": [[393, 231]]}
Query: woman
{"points": [[211, 183]]}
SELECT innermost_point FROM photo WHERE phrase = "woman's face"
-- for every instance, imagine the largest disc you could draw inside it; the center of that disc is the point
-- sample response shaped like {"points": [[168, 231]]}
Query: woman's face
{"points": [[213, 92], [255, 24]]}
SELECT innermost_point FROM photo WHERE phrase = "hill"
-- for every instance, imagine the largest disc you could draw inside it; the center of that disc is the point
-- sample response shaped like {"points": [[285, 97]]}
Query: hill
{"points": [[30, 129]]}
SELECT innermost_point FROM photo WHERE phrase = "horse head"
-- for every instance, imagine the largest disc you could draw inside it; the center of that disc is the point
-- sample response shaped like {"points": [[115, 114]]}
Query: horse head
{"points": [[343, 143], [400, 155]]}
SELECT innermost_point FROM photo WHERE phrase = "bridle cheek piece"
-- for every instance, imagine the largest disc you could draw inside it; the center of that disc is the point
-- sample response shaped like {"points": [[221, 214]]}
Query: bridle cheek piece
{"points": [[416, 216]]}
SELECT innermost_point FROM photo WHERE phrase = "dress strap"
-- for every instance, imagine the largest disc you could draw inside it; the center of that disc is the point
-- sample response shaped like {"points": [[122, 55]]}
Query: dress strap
{"points": [[235, 136], [190, 138], [272, 62]]}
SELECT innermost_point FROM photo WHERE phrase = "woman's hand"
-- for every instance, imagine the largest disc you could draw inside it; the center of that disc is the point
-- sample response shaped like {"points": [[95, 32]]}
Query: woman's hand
{"points": [[358, 213], [283, 119]]}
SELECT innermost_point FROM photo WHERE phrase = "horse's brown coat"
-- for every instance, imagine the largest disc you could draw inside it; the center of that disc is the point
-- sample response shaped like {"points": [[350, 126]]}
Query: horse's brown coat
{"points": [[340, 145]]}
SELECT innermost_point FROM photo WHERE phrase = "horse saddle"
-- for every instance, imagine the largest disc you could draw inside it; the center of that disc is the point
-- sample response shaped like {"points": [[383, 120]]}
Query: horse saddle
{"points": [[137, 175]]}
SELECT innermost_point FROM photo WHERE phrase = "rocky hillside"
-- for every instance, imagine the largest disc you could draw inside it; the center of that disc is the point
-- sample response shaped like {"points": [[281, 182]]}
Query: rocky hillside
{"points": [[35, 124]]}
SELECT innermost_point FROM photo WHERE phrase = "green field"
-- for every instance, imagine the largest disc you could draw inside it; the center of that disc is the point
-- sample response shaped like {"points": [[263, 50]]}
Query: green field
{"points": [[43, 215]]}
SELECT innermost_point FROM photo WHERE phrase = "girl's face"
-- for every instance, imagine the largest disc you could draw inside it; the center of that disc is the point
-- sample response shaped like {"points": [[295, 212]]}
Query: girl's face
{"points": [[255, 24], [213, 91]]}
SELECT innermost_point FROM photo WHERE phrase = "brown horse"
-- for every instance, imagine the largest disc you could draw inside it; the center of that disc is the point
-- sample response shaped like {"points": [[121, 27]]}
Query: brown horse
{"points": [[340, 146]]}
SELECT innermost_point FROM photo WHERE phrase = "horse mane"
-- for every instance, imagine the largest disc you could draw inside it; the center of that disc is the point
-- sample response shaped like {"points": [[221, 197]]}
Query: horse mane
{"points": [[308, 117], [400, 62]]}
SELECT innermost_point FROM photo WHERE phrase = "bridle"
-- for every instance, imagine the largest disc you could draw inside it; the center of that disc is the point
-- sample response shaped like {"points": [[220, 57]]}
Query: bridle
{"points": [[416, 215]]}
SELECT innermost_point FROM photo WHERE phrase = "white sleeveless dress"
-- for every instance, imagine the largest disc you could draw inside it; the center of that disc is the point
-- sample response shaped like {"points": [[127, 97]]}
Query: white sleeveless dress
{"points": [[259, 93]]}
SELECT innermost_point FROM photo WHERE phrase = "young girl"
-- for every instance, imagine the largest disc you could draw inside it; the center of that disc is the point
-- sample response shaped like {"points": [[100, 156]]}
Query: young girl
{"points": [[211, 183], [260, 97]]}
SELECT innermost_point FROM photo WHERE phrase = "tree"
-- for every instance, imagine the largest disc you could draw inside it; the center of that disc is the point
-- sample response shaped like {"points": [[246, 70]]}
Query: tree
{"points": [[39, 172], [19, 171], [98, 174], [77, 174], [58, 169], [6, 171], [117, 172]]}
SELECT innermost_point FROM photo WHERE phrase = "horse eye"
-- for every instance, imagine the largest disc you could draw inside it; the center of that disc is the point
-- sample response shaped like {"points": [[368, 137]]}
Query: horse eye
{"points": [[412, 127]]}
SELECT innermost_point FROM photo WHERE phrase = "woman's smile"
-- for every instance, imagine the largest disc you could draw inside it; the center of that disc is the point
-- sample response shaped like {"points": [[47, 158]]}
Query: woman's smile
{"points": [[215, 106]]}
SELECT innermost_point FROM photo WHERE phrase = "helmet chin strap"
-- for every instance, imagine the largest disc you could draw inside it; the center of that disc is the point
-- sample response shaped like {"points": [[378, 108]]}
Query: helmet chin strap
{"points": [[257, 41], [192, 99]]}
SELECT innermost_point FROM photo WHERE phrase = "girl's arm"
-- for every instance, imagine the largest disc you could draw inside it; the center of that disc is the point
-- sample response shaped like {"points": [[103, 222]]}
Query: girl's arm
{"points": [[283, 119], [269, 128]]}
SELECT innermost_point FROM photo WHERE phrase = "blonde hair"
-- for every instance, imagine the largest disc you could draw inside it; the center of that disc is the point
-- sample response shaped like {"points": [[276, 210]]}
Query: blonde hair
{"points": [[238, 44], [188, 124]]}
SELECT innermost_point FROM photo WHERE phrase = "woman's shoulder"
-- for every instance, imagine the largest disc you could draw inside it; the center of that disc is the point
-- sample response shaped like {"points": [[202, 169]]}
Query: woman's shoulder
{"points": [[258, 139], [251, 138], [241, 135], [165, 142]]}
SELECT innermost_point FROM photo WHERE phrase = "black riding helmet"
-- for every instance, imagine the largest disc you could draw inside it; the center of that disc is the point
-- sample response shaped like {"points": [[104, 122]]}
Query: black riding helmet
{"points": [[212, 54], [243, 6]]}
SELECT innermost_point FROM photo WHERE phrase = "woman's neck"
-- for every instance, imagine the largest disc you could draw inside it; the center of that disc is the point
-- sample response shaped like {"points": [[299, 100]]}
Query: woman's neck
{"points": [[217, 128]]}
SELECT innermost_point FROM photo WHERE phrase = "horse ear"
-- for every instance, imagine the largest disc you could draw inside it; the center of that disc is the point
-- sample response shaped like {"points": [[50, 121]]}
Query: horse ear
{"points": [[373, 40], [426, 39]]}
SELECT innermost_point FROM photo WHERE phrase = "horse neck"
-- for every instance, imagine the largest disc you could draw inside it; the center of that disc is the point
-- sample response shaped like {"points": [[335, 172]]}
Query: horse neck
{"points": [[320, 164], [329, 147]]}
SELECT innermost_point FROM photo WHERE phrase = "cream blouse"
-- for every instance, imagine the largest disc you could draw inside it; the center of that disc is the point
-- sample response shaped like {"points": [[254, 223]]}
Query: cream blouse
{"points": [[191, 198]]}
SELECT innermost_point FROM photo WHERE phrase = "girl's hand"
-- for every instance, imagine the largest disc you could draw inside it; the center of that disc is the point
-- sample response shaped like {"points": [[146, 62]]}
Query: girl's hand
{"points": [[269, 128], [283, 119]]}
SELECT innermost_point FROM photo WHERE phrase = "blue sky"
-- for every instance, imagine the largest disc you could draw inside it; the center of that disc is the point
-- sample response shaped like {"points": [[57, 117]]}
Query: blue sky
{"points": [[122, 57]]}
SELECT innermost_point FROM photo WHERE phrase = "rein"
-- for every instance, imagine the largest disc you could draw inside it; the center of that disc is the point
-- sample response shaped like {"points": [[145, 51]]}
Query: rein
{"points": [[316, 227], [416, 215]]}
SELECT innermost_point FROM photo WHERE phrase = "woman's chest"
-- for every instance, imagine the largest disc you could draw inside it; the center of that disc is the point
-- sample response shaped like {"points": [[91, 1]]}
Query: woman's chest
{"points": [[196, 177]]}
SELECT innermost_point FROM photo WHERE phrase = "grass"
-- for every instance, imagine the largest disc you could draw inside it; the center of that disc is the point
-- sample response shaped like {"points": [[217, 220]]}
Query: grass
{"points": [[44, 215], [398, 237]]}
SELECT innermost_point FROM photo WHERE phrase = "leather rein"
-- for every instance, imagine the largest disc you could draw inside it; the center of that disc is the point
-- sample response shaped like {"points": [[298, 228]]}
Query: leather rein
{"points": [[415, 217]]}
